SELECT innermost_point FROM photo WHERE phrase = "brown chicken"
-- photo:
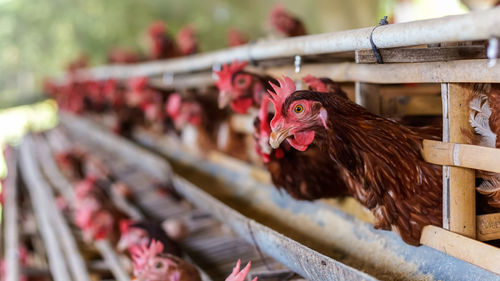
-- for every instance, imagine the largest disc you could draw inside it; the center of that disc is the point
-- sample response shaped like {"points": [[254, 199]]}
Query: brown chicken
{"points": [[485, 119], [378, 159], [284, 23], [162, 46], [235, 38], [134, 233], [186, 41], [301, 174], [150, 263], [212, 129]]}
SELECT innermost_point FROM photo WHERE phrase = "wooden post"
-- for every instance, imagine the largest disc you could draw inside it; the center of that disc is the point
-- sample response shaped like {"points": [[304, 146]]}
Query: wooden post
{"points": [[459, 203], [368, 96]]}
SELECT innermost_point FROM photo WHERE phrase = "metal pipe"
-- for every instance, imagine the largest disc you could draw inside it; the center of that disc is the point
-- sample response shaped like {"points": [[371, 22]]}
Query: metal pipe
{"points": [[479, 25], [57, 262], [11, 238]]}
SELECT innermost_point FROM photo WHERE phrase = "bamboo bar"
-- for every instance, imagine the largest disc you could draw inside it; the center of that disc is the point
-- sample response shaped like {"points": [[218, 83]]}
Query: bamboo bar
{"points": [[57, 262], [11, 230], [488, 227], [476, 71], [462, 155], [462, 189], [467, 249]]}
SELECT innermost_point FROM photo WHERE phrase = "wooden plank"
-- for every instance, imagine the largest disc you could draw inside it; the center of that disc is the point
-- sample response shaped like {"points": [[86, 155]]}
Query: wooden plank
{"points": [[462, 189], [462, 155], [461, 247], [488, 227], [473, 71], [399, 55], [411, 105], [368, 96]]}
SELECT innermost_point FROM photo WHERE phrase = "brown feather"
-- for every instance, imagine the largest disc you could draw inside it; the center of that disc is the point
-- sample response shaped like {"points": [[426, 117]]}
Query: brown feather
{"points": [[380, 162]]}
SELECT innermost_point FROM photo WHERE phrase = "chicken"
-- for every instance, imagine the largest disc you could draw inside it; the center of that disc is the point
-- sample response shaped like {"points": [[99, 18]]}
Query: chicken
{"points": [[239, 88], [135, 233], [485, 119], [301, 173], [186, 41], [122, 56], [379, 160], [93, 214], [323, 85], [162, 46], [235, 38], [285, 24], [212, 130], [151, 264], [238, 275], [71, 165]]}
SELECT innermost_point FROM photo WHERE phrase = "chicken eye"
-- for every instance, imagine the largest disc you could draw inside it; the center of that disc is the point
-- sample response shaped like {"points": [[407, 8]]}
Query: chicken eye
{"points": [[298, 108]]}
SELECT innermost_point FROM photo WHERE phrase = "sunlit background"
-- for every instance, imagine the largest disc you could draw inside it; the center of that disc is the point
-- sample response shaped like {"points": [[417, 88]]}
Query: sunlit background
{"points": [[38, 38]]}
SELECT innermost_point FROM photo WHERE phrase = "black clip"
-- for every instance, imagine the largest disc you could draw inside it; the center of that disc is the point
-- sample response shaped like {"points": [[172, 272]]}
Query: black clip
{"points": [[375, 50]]}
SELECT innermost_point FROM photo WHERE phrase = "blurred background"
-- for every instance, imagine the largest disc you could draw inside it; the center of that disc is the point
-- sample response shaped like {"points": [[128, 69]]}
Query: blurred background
{"points": [[39, 38]]}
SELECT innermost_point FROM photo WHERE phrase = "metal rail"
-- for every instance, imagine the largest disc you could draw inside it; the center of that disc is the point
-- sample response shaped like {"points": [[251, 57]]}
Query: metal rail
{"points": [[478, 25], [11, 230], [33, 180]]}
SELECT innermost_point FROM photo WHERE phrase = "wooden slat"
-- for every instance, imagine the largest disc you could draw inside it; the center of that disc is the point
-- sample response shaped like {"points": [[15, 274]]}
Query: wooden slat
{"points": [[488, 227], [368, 96], [462, 155], [462, 191], [461, 247], [473, 71], [423, 54]]}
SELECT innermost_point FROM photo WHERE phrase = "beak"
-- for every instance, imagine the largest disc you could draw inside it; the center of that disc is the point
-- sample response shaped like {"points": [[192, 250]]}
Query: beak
{"points": [[278, 136], [224, 99]]}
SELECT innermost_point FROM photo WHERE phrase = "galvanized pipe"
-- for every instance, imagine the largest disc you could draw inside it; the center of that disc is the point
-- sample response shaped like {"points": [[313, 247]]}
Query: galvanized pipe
{"points": [[11, 230], [479, 25]]}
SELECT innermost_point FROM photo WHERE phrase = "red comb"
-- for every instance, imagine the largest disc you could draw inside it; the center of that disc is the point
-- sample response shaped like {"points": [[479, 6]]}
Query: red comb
{"points": [[315, 83], [137, 84], [185, 32], [238, 275], [173, 106], [235, 38], [125, 225], [141, 254], [277, 10], [225, 75], [157, 27], [281, 92]]}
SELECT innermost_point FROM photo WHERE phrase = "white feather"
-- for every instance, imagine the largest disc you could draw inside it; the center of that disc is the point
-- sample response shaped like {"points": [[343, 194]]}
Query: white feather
{"points": [[479, 119]]}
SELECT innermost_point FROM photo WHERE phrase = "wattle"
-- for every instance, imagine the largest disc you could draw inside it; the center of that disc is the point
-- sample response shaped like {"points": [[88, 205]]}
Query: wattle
{"points": [[241, 105], [301, 140]]}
